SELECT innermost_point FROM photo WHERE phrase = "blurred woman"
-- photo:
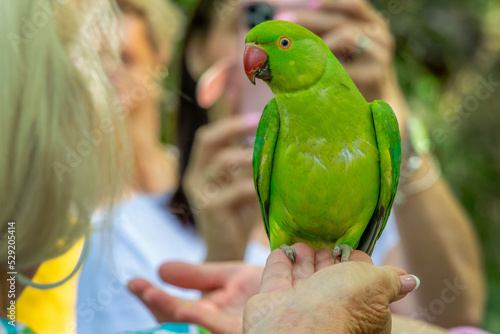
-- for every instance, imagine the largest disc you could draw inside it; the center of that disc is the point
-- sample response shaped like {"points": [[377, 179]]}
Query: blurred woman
{"points": [[141, 226], [219, 107], [60, 140], [63, 142], [145, 234]]}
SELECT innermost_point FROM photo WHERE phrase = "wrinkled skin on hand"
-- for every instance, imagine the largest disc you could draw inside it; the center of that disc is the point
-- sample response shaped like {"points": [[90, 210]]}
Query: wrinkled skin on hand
{"points": [[314, 296], [227, 287], [310, 296]]}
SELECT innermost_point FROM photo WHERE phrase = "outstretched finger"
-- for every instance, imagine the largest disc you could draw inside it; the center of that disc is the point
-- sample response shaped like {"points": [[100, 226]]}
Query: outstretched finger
{"points": [[205, 277], [164, 307]]}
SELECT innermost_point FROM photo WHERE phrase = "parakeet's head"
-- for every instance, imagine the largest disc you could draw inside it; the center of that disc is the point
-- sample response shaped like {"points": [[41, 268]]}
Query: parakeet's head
{"points": [[285, 55]]}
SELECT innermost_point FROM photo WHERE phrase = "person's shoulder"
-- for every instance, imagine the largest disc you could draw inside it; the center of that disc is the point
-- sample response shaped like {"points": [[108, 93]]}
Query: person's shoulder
{"points": [[147, 216], [139, 206], [135, 214]]}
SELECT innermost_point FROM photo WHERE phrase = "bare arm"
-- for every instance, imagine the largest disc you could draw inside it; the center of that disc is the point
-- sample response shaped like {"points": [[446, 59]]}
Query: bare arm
{"points": [[409, 326], [438, 242], [439, 245]]}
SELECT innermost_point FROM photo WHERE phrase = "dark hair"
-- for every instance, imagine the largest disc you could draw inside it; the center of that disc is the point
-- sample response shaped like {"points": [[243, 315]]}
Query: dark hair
{"points": [[190, 115]]}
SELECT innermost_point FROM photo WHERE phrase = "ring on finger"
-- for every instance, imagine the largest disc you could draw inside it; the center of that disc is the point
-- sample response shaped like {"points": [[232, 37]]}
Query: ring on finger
{"points": [[363, 44]]}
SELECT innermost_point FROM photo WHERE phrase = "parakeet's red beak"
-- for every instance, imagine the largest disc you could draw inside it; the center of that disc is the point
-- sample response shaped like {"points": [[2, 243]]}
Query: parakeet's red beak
{"points": [[255, 62]]}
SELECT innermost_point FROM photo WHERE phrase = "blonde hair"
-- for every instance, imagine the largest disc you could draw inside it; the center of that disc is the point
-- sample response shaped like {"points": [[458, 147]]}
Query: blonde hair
{"points": [[60, 138], [164, 20]]}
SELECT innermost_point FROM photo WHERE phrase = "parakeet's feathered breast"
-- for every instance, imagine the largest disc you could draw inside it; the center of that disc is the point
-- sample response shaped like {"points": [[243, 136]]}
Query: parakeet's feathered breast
{"points": [[326, 162]]}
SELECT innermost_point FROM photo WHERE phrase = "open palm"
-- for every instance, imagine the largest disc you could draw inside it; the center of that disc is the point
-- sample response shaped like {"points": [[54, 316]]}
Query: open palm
{"points": [[226, 286]]}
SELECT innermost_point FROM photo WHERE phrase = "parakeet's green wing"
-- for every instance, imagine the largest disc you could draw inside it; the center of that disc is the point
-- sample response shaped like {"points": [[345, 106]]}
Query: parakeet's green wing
{"points": [[389, 147], [263, 154]]}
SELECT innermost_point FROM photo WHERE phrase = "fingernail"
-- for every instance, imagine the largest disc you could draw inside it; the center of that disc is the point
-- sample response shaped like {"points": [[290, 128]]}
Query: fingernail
{"points": [[252, 119], [286, 16], [313, 4], [146, 297], [410, 283], [131, 287]]}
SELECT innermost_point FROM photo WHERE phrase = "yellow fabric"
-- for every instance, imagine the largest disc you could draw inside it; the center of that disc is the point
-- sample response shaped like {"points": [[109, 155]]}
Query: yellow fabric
{"points": [[52, 311]]}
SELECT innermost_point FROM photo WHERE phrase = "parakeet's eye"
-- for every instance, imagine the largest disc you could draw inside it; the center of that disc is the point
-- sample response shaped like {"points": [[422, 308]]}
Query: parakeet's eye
{"points": [[285, 43]]}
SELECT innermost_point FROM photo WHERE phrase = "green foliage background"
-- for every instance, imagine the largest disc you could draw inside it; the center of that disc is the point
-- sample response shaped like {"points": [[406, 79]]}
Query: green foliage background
{"points": [[444, 48]]}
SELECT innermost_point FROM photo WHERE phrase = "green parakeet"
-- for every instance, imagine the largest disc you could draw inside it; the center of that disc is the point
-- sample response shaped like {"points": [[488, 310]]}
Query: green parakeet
{"points": [[326, 162]]}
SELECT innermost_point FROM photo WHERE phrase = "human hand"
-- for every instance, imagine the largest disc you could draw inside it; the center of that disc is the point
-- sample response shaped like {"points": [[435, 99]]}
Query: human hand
{"points": [[314, 296], [219, 186], [308, 296], [360, 38], [227, 287]]}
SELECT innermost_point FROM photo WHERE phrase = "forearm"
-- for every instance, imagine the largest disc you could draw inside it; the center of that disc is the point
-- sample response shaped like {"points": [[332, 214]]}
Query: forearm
{"points": [[404, 325], [441, 248], [224, 244], [230, 252]]}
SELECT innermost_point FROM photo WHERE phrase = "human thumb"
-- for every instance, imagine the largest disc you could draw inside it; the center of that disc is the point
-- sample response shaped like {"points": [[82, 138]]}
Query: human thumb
{"points": [[400, 282]]}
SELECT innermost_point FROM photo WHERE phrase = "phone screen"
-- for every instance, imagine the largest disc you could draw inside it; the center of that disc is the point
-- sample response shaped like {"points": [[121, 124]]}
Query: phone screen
{"points": [[252, 13], [256, 12]]}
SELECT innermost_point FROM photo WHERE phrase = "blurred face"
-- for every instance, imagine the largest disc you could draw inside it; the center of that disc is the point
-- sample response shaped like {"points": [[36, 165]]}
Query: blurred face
{"points": [[217, 62], [137, 83]]}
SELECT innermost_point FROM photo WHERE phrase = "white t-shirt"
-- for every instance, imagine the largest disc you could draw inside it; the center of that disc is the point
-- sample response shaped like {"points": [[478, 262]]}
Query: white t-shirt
{"points": [[143, 236], [136, 238]]}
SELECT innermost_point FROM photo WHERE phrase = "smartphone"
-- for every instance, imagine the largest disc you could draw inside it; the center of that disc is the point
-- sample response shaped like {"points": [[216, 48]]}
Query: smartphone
{"points": [[256, 12], [252, 13]]}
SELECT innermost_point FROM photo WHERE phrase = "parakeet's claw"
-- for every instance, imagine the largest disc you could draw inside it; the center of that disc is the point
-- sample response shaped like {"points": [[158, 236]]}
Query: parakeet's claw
{"points": [[344, 251], [289, 251]]}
